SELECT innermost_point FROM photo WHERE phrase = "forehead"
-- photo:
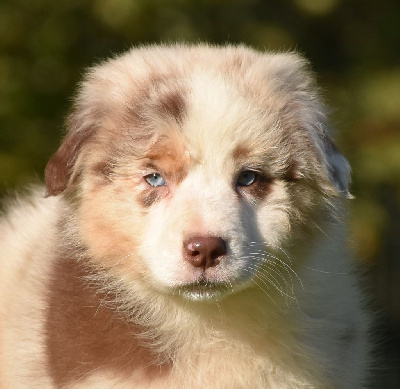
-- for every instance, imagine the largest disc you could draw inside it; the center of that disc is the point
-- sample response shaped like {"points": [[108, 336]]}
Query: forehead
{"points": [[209, 114], [222, 120], [209, 123], [210, 111]]}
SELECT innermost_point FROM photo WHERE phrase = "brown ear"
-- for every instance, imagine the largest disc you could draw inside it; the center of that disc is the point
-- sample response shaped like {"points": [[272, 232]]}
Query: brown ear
{"points": [[61, 170]]}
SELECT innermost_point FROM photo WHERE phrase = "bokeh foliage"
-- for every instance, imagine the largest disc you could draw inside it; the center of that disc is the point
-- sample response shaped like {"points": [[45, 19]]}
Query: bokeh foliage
{"points": [[353, 45]]}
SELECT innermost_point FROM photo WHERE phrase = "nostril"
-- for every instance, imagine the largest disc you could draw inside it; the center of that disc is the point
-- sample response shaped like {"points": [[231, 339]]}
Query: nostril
{"points": [[204, 252]]}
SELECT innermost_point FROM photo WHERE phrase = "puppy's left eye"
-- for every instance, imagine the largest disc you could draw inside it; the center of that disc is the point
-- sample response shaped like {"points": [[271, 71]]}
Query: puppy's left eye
{"points": [[247, 178], [155, 179]]}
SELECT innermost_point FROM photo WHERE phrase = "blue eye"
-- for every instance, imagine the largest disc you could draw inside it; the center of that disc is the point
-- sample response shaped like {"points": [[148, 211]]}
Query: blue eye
{"points": [[155, 179], [246, 178]]}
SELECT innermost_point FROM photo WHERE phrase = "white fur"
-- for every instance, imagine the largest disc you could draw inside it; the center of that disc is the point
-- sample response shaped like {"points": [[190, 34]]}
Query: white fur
{"points": [[24, 269]]}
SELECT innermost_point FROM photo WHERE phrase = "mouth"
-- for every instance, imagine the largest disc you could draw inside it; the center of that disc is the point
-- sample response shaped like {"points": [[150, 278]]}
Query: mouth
{"points": [[204, 290]]}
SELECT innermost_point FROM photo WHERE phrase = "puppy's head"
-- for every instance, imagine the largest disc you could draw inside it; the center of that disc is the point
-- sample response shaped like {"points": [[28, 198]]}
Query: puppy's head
{"points": [[192, 166]]}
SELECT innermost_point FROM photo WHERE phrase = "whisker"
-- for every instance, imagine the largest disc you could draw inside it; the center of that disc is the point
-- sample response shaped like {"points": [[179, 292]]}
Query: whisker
{"points": [[288, 268], [266, 293], [282, 276], [323, 232], [275, 265], [325, 271], [276, 284], [281, 250], [102, 303]]}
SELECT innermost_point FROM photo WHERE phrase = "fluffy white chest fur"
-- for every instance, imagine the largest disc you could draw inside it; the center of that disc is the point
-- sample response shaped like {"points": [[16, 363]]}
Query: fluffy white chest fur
{"points": [[190, 235]]}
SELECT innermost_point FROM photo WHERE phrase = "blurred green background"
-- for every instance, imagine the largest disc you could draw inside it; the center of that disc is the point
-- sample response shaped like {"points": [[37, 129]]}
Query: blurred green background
{"points": [[353, 45]]}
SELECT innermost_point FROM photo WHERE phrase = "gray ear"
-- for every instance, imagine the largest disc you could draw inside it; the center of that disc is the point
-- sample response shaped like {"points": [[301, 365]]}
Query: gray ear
{"points": [[337, 166]]}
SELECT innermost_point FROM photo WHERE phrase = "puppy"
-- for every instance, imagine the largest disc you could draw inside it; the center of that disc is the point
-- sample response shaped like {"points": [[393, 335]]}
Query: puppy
{"points": [[190, 234]]}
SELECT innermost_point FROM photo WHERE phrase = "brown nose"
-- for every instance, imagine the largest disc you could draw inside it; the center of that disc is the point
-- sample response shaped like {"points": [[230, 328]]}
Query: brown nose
{"points": [[204, 252]]}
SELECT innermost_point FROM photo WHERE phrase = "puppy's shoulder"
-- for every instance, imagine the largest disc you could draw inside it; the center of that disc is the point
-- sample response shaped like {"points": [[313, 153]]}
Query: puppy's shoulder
{"points": [[28, 228], [28, 243]]}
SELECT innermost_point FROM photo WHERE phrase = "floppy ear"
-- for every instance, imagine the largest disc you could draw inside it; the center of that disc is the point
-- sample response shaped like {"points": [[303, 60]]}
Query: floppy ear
{"points": [[339, 170], [337, 166], [62, 168], [300, 84], [314, 118]]}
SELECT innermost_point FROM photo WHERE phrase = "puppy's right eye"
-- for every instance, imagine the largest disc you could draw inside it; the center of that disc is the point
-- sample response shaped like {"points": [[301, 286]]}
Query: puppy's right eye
{"points": [[155, 179]]}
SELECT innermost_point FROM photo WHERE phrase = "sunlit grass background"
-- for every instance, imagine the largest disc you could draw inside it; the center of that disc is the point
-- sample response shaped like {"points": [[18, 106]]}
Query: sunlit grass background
{"points": [[354, 48]]}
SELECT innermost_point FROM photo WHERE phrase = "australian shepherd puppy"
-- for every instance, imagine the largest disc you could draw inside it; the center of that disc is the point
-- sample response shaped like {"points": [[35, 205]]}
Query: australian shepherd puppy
{"points": [[190, 234]]}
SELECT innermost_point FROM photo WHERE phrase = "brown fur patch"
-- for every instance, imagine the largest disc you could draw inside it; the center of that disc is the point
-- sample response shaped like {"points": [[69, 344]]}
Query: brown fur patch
{"points": [[173, 104], [260, 189], [169, 156], [148, 197], [103, 170], [83, 334], [59, 170], [172, 163], [159, 95], [241, 153]]}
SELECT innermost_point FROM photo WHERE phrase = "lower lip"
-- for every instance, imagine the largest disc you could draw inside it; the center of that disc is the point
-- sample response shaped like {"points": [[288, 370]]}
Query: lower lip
{"points": [[203, 292]]}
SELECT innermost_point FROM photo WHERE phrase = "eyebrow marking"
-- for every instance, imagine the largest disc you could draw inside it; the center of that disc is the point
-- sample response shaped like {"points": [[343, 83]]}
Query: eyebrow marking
{"points": [[241, 153], [173, 104]]}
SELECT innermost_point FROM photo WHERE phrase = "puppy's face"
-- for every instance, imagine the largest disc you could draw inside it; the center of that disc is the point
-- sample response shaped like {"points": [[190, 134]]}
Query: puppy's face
{"points": [[194, 168]]}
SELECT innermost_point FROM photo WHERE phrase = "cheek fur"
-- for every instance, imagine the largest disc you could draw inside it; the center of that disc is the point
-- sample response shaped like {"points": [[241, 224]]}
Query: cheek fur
{"points": [[273, 215], [111, 224]]}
